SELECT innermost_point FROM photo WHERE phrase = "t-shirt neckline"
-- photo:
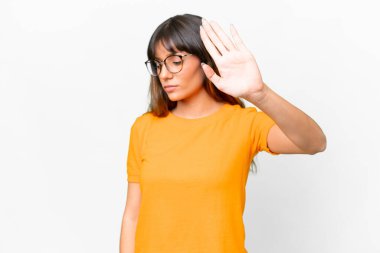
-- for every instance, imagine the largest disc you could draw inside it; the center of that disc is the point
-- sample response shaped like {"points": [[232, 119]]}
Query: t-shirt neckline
{"points": [[209, 117]]}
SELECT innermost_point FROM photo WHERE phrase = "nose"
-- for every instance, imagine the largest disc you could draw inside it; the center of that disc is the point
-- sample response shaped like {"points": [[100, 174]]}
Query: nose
{"points": [[164, 73]]}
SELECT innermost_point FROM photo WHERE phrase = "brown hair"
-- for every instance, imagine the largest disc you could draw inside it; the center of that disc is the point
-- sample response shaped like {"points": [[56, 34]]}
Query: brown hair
{"points": [[182, 33]]}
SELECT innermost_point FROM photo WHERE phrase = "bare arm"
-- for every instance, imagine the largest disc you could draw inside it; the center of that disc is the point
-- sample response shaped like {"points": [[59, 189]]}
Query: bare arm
{"points": [[294, 132], [239, 76], [131, 212]]}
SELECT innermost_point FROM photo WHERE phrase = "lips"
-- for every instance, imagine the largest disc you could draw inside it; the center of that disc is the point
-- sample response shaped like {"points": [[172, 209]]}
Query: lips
{"points": [[168, 86]]}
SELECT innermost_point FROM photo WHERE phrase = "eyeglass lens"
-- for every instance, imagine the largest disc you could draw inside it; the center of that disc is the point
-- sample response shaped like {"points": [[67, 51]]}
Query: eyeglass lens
{"points": [[173, 64]]}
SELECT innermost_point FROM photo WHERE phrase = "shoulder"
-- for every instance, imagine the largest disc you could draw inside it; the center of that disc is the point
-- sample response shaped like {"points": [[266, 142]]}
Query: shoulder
{"points": [[250, 110], [143, 120], [244, 112], [250, 116]]}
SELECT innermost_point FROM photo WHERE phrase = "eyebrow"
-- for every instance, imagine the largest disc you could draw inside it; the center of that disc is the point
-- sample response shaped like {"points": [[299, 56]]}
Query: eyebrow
{"points": [[174, 53]]}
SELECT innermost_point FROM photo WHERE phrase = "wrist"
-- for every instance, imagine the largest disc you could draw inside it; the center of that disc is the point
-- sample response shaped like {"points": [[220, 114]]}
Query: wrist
{"points": [[258, 97]]}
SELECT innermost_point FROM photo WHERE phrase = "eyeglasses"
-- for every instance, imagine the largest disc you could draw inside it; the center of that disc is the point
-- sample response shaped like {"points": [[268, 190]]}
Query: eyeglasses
{"points": [[173, 64]]}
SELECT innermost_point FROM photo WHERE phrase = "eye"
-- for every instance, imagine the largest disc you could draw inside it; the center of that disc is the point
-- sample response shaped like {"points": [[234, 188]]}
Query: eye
{"points": [[175, 60]]}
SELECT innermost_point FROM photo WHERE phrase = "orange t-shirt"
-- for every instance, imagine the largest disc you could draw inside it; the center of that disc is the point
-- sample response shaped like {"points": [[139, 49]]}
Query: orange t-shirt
{"points": [[192, 175]]}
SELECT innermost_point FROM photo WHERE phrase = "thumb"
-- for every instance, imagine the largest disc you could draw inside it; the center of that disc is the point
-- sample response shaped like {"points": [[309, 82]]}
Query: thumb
{"points": [[210, 73]]}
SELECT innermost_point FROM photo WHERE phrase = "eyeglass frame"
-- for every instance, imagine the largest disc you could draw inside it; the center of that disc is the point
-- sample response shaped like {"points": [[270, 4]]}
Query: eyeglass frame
{"points": [[164, 62]]}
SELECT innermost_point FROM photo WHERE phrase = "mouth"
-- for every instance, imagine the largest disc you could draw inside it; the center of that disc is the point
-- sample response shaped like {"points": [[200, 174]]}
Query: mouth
{"points": [[169, 85], [170, 88]]}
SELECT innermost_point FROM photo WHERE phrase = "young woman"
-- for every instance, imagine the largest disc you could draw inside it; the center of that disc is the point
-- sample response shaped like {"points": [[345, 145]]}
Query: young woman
{"points": [[189, 154]]}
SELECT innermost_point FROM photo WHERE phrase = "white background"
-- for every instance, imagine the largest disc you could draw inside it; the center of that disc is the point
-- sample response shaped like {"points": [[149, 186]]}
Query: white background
{"points": [[72, 81]]}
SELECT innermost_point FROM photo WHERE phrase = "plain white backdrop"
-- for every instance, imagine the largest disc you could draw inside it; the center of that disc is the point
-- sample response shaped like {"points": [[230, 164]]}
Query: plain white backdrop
{"points": [[73, 80]]}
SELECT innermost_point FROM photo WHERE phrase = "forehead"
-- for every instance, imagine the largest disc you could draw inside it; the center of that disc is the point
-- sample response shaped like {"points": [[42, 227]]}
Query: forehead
{"points": [[160, 51]]}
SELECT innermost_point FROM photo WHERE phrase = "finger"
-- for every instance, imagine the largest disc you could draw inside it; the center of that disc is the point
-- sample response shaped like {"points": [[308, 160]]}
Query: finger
{"points": [[235, 35], [214, 37], [222, 36], [209, 45], [210, 73]]}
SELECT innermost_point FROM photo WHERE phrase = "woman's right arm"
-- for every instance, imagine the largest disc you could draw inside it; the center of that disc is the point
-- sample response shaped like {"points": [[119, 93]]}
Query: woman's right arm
{"points": [[131, 213]]}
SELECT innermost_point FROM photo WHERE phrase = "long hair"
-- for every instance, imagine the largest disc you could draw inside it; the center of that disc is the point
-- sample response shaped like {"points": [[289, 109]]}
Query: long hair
{"points": [[182, 33]]}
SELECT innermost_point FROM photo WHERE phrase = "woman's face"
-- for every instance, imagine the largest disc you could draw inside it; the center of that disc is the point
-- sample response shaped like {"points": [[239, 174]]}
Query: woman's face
{"points": [[188, 81]]}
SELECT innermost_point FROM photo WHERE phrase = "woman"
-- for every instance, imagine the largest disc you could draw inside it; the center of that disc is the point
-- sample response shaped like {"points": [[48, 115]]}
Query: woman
{"points": [[189, 154]]}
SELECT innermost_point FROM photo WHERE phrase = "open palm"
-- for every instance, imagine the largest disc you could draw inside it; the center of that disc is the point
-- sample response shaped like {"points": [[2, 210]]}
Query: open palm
{"points": [[239, 73]]}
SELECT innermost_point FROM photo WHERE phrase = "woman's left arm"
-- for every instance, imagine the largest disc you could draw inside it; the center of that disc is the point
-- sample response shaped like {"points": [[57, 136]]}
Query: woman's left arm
{"points": [[294, 132]]}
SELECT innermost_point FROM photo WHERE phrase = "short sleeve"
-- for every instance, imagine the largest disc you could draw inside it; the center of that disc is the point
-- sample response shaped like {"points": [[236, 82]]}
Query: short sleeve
{"points": [[261, 123], [134, 159]]}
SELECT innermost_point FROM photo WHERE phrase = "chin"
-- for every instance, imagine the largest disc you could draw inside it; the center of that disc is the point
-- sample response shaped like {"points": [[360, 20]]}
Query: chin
{"points": [[177, 96], [174, 97]]}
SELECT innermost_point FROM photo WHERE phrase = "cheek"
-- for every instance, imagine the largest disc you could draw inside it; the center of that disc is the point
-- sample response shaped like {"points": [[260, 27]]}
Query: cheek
{"points": [[194, 77]]}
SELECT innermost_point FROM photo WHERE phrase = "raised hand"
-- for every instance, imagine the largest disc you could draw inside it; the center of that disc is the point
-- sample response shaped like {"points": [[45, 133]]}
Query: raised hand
{"points": [[239, 73]]}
